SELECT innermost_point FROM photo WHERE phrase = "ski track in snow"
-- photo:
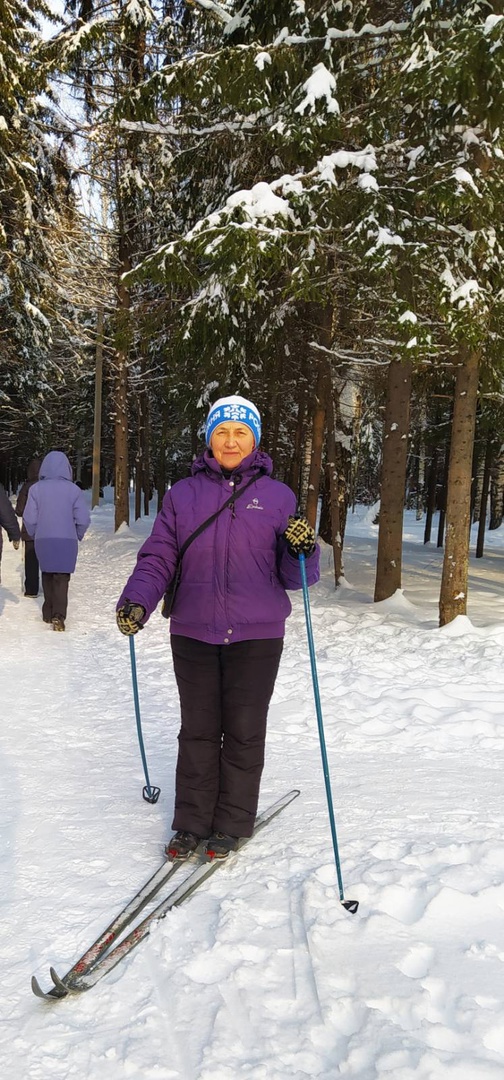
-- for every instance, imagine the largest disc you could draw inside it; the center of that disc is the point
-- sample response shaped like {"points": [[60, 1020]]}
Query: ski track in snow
{"points": [[262, 975]]}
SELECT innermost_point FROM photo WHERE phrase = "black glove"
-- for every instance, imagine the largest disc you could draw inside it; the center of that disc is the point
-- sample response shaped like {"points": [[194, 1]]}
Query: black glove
{"points": [[129, 618], [300, 537]]}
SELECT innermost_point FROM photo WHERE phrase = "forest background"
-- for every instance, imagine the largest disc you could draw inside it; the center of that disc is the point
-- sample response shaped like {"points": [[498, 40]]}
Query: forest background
{"points": [[294, 200]]}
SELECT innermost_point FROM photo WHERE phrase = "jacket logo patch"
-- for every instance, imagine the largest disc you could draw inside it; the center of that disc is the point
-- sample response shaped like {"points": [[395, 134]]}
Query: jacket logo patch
{"points": [[254, 505]]}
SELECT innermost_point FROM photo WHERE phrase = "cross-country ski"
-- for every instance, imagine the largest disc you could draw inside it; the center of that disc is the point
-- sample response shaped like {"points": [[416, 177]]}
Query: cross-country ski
{"points": [[106, 954]]}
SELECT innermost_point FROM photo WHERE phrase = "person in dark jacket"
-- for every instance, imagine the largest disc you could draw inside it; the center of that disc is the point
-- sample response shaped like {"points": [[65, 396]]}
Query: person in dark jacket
{"points": [[31, 563], [8, 521], [227, 620], [56, 516]]}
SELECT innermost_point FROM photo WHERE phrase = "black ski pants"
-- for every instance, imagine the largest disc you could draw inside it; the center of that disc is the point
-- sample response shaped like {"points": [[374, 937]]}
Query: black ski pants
{"points": [[55, 588], [31, 568], [225, 691]]}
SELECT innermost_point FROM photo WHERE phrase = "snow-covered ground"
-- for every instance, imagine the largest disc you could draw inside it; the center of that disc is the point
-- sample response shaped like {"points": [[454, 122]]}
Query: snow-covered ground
{"points": [[262, 975]]}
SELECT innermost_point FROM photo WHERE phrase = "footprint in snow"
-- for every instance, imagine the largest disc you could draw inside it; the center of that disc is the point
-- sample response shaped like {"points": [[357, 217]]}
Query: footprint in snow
{"points": [[417, 961]]}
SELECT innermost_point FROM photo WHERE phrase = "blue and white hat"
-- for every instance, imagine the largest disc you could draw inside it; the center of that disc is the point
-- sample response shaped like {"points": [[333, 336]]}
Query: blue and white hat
{"points": [[233, 408]]}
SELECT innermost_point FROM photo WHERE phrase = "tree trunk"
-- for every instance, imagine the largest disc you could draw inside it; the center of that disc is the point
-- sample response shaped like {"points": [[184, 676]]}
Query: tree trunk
{"points": [[121, 441], [453, 595], [444, 490], [317, 442], [161, 460], [474, 512], [95, 492], [121, 411], [485, 488], [431, 495], [294, 478], [276, 407], [356, 439], [496, 494], [132, 54], [318, 418], [139, 458], [393, 479], [420, 468], [146, 471], [332, 478]]}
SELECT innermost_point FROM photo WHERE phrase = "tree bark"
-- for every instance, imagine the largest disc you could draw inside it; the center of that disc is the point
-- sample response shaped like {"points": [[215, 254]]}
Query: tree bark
{"points": [[420, 467], [95, 491], [132, 52], [444, 489], [295, 471], [453, 595], [485, 488], [318, 419], [356, 438], [161, 459], [496, 493], [139, 458], [121, 408], [317, 442], [332, 478], [431, 495], [393, 479]]}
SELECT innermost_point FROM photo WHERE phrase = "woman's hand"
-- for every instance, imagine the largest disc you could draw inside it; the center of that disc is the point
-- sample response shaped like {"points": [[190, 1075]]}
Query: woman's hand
{"points": [[300, 537], [129, 618]]}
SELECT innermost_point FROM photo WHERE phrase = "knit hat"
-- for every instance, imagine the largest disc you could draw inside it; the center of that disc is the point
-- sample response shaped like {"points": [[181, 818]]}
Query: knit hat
{"points": [[234, 408]]}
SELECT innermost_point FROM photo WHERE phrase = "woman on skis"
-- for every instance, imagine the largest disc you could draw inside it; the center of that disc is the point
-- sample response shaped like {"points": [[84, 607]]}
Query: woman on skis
{"points": [[241, 543]]}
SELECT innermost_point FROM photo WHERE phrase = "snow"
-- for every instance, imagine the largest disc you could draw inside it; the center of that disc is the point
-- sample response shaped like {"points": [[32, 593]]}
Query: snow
{"points": [[262, 975], [320, 84], [261, 60], [259, 202], [490, 22], [462, 176]]}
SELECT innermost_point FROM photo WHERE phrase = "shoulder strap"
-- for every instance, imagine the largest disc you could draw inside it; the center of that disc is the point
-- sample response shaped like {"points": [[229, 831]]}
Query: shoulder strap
{"points": [[205, 524]]}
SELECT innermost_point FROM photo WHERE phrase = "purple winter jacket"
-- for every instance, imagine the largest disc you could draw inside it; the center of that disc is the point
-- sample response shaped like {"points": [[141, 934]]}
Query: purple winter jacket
{"points": [[234, 575], [56, 515]]}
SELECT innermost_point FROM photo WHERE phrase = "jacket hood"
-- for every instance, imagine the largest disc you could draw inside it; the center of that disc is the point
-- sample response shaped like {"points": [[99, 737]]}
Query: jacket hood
{"points": [[55, 466], [256, 462], [33, 469]]}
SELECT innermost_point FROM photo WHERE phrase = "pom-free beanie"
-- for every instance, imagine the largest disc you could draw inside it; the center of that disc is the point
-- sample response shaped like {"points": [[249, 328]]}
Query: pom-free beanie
{"points": [[234, 408]]}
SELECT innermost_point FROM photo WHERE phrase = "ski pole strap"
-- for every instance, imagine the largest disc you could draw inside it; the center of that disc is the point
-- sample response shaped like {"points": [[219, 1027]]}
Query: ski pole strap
{"points": [[169, 595]]}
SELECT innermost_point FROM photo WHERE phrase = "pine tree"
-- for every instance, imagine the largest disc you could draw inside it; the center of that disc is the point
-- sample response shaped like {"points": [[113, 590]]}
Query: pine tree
{"points": [[41, 239]]}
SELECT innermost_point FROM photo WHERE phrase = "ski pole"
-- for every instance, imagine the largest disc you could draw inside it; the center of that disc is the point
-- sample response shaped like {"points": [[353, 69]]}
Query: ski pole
{"points": [[350, 905], [150, 794]]}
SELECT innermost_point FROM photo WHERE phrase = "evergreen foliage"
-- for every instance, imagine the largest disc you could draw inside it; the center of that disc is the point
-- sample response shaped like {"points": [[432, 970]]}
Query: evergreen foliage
{"points": [[285, 181]]}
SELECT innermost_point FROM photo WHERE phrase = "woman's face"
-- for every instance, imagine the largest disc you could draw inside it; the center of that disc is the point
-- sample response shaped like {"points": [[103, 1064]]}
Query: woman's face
{"points": [[231, 443]]}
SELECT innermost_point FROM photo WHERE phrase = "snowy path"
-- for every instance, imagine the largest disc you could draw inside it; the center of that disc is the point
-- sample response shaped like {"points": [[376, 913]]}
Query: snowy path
{"points": [[262, 975]]}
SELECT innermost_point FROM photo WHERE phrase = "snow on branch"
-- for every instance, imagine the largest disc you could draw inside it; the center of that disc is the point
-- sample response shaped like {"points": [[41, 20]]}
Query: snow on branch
{"points": [[214, 9], [173, 129], [320, 84], [347, 355]]}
